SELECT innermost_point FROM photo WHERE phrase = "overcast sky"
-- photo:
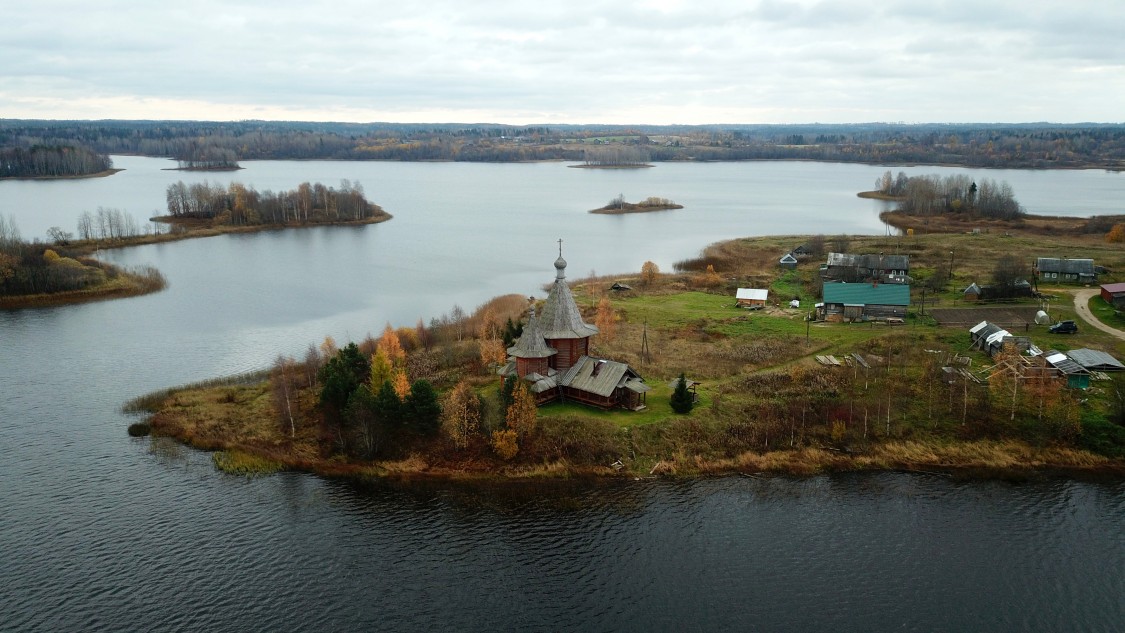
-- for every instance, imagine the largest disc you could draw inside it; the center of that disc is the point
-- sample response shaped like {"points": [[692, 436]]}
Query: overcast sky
{"points": [[566, 61]]}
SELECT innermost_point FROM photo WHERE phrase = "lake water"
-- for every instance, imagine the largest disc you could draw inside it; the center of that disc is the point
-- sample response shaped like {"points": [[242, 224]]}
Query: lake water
{"points": [[100, 531]]}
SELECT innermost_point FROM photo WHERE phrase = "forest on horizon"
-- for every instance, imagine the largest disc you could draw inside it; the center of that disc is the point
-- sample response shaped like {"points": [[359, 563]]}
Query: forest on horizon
{"points": [[202, 144]]}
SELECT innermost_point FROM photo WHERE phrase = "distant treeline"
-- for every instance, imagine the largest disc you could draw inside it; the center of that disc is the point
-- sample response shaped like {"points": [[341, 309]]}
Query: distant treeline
{"points": [[1031, 145], [238, 204], [43, 161], [931, 195]]}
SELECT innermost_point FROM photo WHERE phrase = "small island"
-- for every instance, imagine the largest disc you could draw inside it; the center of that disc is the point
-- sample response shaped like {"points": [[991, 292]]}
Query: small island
{"points": [[619, 206]]}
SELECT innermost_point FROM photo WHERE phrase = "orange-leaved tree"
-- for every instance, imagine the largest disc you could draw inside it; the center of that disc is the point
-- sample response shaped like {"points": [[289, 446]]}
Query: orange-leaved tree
{"points": [[460, 414]]}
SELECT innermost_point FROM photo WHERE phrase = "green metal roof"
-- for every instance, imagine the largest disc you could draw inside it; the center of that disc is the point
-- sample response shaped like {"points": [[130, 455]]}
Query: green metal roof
{"points": [[867, 294]]}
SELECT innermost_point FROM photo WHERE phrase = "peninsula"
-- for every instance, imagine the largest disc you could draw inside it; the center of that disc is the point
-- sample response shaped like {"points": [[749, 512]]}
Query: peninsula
{"points": [[772, 392], [37, 274]]}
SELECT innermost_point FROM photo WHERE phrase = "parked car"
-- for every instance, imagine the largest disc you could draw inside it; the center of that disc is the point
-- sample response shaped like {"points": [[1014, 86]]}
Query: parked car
{"points": [[1063, 327]]}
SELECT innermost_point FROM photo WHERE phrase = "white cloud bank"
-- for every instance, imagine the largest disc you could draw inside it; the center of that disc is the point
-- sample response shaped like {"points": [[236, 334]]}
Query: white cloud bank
{"points": [[660, 61]]}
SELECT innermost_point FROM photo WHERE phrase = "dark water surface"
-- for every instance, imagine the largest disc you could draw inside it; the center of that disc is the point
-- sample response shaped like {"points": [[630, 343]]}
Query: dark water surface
{"points": [[102, 532]]}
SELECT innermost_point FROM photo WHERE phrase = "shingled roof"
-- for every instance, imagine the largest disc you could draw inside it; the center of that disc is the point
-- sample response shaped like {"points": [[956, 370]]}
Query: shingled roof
{"points": [[601, 377], [561, 318], [531, 343]]}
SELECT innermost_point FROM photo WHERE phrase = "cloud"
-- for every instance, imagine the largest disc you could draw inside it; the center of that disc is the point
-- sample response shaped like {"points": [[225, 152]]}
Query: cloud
{"points": [[651, 61]]}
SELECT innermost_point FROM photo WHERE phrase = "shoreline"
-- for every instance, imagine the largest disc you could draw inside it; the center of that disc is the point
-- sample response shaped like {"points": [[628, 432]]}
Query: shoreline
{"points": [[134, 285], [100, 174], [86, 248], [222, 419], [635, 208]]}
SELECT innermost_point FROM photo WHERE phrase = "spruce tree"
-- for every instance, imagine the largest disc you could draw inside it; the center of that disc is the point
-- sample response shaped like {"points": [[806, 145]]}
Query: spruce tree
{"points": [[682, 400]]}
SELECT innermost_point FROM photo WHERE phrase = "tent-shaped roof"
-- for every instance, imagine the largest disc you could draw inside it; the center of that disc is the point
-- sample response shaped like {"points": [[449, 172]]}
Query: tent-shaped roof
{"points": [[561, 318], [1095, 360], [752, 294], [788, 259], [867, 294], [531, 343], [972, 289]]}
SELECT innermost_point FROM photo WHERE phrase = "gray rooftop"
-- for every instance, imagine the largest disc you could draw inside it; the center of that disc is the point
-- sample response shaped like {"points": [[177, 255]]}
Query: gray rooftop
{"points": [[1063, 265], [600, 376], [531, 343], [561, 318], [871, 262], [1095, 359], [1061, 362]]}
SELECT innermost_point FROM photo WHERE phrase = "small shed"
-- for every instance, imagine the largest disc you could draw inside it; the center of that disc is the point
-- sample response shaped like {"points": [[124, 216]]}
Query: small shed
{"points": [[788, 261], [1114, 295], [991, 338], [1077, 376], [972, 293], [752, 298]]}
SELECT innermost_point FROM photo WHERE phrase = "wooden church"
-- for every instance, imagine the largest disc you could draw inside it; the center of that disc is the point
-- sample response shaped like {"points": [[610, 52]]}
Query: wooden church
{"points": [[553, 356]]}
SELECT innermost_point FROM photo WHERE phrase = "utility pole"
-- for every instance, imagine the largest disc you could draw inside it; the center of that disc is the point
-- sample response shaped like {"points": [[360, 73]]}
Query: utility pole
{"points": [[951, 265]]}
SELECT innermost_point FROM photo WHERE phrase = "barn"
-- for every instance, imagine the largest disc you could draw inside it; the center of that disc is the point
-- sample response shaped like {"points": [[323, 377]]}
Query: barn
{"points": [[1114, 295]]}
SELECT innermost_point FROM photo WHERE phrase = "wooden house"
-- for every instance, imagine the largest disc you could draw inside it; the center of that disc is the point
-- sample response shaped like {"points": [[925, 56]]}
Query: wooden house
{"points": [[863, 302], [752, 298], [1063, 270], [1114, 295], [858, 268], [787, 262], [972, 293]]}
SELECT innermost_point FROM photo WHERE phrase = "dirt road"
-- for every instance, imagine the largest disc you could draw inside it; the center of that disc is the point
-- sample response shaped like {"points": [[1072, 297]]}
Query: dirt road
{"points": [[1081, 301]]}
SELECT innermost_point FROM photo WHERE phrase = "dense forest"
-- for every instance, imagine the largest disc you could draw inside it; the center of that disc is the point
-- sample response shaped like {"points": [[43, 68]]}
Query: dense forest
{"points": [[239, 205], [42, 161], [198, 144], [931, 195]]}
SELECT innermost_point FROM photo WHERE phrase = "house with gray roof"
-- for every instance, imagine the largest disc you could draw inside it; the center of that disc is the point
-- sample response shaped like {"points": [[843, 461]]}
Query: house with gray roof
{"points": [[857, 268], [1062, 270]]}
